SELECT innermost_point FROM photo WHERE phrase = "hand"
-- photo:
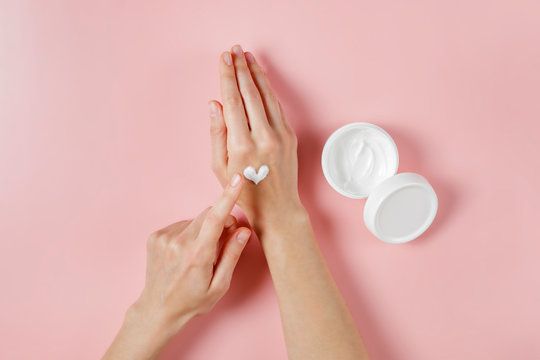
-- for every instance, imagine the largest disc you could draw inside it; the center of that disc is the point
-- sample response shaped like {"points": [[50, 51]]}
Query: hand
{"points": [[186, 275], [250, 128]]}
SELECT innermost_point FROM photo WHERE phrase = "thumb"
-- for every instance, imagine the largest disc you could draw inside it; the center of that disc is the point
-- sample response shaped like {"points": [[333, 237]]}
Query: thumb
{"points": [[232, 249]]}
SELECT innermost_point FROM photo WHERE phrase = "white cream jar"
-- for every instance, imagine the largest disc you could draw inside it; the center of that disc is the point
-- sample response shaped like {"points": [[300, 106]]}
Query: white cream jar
{"points": [[360, 160]]}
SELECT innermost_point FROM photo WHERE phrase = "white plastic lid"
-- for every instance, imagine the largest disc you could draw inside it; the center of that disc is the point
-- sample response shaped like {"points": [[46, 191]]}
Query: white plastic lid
{"points": [[400, 208], [361, 160]]}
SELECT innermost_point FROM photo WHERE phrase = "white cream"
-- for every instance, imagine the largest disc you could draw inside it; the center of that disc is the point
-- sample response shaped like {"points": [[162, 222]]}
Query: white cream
{"points": [[256, 176], [357, 157]]}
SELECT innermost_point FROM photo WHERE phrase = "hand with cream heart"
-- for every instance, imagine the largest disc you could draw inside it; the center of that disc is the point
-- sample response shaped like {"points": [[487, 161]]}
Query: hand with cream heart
{"points": [[250, 134]]}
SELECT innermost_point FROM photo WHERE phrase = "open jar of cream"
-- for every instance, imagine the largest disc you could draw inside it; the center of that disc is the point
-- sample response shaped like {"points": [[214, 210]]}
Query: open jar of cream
{"points": [[360, 160]]}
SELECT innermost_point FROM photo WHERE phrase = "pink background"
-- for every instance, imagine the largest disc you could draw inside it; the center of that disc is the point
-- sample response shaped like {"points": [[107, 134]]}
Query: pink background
{"points": [[104, 138]]}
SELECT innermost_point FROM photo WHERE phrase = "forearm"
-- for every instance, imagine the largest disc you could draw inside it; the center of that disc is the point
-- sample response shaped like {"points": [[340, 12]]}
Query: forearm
{"points": [[316, 321]]}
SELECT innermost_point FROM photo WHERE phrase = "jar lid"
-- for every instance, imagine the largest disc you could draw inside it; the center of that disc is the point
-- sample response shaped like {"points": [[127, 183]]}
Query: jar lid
{"points": [[400, 208]]}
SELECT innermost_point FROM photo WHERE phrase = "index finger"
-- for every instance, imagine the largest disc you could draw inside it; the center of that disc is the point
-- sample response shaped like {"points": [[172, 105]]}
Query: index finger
{"points": [[214, 223], [233, 105]]}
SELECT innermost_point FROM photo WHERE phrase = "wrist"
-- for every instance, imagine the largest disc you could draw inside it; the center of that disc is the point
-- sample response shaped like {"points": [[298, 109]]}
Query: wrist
{"points": [[292, 228], [148, 330], [155, 319], [289, 244], [138, 338], [279, 219]]}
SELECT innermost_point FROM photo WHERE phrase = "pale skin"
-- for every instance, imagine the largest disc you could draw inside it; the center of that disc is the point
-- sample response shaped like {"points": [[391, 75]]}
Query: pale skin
{"points": [[248, 128]]}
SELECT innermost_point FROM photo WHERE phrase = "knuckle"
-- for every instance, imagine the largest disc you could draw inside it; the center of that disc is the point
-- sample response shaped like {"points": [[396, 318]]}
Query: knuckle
{"points": [[233, 100], [162, 241], [222, 287], [212, 217], [217, 129], [268, 145], [156, 239], [242, 150], [228, 77], [200, 256], [174, 248], [233, 254]]}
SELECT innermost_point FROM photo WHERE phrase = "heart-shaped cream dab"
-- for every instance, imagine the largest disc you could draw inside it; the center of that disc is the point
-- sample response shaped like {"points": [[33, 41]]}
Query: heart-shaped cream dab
{"points": [[256, 176]]}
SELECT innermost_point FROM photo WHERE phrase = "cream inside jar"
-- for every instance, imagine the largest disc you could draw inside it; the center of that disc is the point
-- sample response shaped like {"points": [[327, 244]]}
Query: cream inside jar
{"points": [[357, 157]]}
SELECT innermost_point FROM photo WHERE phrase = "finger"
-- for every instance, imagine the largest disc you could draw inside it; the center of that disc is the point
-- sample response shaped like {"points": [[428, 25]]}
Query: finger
{"points": [[232, 249], [250, 94], [218, 138], [194, 227], [233, 107], [227, 232], [284, 120], [268, 96], [213, 224]]}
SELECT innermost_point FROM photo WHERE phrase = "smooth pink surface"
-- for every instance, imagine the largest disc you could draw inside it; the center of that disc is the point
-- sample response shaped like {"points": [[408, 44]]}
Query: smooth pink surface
{"points": [[104, 138]]}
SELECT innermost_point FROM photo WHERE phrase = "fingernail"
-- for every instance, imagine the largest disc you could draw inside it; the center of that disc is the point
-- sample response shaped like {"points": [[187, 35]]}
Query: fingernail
{"points": [[235, 180], [227, 58], [213, 108], [237, 50], [250, 58], [243, 237]]}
